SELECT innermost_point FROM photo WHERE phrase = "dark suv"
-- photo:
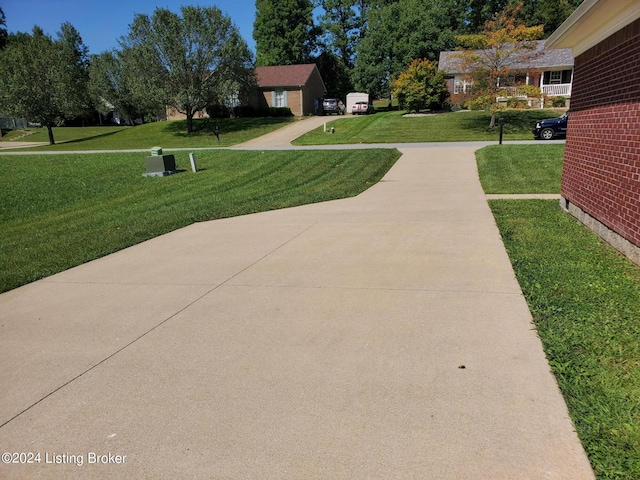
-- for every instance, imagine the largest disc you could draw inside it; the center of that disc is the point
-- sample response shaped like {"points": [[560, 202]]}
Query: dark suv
{"points": [[332, 105], [551, 128]]}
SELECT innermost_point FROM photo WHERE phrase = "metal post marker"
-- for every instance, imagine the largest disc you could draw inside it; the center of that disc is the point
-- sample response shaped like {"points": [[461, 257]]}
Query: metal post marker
{"points": [[501, 123], [192, 159]]}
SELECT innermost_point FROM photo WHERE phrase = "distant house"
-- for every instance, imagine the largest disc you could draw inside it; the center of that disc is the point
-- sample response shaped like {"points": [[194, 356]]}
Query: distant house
{"points": [[551, 70], [601, 173], [295, 86]]}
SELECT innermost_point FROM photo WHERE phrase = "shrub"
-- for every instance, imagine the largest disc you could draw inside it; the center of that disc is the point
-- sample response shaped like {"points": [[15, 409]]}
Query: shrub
{"points": [[557, 102], [250, 111], [517, 103], [479, 102], [421, 86], [280, 112], [218, 111]]}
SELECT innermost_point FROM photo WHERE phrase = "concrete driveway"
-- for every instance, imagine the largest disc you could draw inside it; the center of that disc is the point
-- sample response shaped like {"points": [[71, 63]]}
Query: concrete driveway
{"points": [[378, 337]]}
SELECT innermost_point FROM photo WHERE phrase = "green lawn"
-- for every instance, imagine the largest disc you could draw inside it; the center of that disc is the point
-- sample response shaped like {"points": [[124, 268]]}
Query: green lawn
{"points": [[585, 301], [520, 168], [164, 134], [392, 127], [58, 211]]}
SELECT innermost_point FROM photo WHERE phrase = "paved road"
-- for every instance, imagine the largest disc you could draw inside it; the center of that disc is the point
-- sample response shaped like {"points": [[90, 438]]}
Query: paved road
{"points": [[382, 336]]}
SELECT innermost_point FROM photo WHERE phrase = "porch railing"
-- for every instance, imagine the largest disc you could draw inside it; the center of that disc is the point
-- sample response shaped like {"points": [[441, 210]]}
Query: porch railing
{"points": [[557, 90]]}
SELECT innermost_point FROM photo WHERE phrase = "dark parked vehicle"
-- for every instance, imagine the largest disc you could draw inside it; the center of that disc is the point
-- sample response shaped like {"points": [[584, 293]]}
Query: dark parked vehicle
{"points": [[551, 128], [332, 105], [362, 108]]}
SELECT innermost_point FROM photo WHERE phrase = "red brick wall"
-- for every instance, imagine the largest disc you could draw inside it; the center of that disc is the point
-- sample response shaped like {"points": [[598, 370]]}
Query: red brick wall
{"points": [[601, 172]]}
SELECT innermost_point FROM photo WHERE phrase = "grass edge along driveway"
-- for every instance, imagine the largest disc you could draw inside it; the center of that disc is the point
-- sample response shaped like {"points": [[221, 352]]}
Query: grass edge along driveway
{"points": [[585, 301], [59, 211]]}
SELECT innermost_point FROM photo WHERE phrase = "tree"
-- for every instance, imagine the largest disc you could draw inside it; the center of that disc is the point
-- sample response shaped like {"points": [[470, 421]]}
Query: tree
{"points": [[550, 13], [421, 86], [3, 30], [193, 59], [343, 25], [494, 55], [284, 32], [479, 12], [334, 74], [43, 80], [75, 55], [115, 84], [398, 32]]}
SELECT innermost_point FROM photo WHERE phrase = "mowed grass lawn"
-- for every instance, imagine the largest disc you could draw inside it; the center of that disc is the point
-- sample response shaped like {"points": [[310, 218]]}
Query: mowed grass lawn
{"points": [[58, 211], [520, 169], [585, 301], [395, 127], [164, 134]]}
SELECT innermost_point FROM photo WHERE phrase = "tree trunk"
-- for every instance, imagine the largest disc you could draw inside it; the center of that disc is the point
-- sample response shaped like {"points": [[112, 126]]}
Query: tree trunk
{"points": [[50, 131], [189, 121], [492, 123]]}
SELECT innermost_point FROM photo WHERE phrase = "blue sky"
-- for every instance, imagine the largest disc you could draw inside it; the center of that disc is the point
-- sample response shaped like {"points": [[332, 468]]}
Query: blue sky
{"points": [[102, 22]]}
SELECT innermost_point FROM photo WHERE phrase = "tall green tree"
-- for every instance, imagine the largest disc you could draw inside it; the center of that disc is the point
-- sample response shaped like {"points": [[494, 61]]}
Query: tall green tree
{"points": [[398, 32], [335, 74], [284, 32], [3, 30], [116, 84], [549, 13], [75, 55], [343, 24], [478, 12], [195, 59], [44, 80]]}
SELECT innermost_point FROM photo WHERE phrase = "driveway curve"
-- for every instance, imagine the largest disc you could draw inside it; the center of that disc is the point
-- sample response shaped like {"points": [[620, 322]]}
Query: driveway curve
{"points": [[377, 337]]}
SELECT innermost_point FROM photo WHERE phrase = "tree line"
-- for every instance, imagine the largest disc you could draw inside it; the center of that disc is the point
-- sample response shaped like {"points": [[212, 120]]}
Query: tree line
{"points": [[363, 45], [187, 61], [197, 58]]}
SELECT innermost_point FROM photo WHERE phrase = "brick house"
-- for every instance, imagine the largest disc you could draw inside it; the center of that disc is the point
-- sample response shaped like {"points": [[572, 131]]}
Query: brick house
{"points": [[601, 174], [295, 86], [550, 70]]}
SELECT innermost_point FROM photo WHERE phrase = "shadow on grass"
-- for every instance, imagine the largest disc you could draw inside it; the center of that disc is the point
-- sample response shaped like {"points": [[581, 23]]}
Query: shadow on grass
{"points": [[88, 138], [515, 121], [205, 126]]}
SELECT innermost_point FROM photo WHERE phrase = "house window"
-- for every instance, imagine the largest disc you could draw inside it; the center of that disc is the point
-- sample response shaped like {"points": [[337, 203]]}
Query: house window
{"points": [[461, 86], [557, 77], [280, 98]]}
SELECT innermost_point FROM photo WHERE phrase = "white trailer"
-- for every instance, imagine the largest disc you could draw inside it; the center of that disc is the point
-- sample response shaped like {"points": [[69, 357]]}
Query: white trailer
{"points": [[354, 97]]}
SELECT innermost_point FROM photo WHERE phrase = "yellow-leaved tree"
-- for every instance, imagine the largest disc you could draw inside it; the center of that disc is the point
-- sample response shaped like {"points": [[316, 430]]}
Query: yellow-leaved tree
{"points": [[499, 52], [420, 86]]}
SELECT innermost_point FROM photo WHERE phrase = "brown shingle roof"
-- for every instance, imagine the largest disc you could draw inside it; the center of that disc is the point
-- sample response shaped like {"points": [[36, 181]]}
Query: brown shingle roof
{"points": [[450, 62], [284, 75]]}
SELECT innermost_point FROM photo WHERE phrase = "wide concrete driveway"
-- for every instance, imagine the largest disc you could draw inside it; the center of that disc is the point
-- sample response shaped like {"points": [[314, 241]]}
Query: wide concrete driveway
{"points": [[378, 337]]}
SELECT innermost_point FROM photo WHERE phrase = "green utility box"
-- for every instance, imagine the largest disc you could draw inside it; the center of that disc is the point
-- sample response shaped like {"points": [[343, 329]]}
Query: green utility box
{"points": [[159, 165]]}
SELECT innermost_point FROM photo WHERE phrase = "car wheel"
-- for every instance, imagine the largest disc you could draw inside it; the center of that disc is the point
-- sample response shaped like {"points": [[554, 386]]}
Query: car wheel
{"points": [[546, 134]]}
